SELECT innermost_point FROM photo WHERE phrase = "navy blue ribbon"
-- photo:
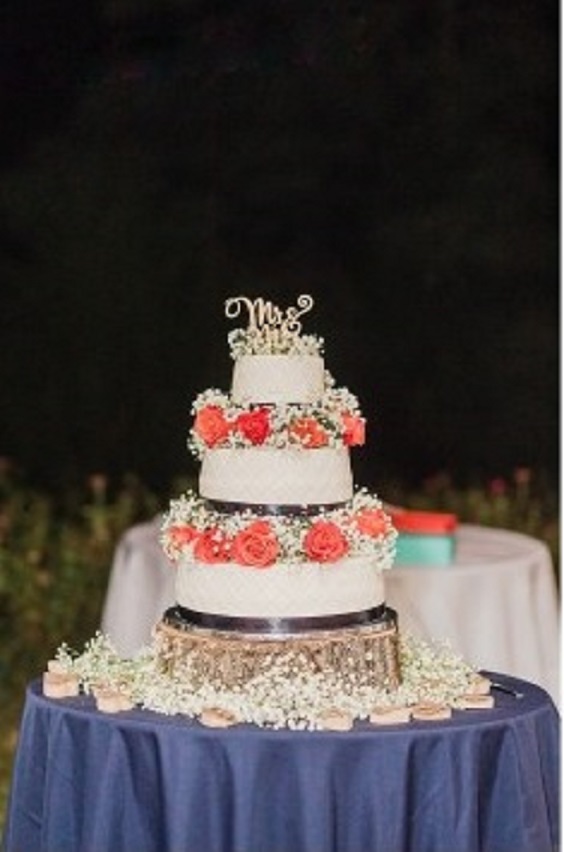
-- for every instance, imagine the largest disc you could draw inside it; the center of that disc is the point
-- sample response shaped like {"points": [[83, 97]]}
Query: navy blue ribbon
{"points": [[285, 509], [184, 619]]}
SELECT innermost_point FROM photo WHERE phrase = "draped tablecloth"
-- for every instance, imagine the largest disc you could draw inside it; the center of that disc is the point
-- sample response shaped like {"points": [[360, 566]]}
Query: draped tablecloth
{"points": [[496, 604], [138, 781], [140, 588]]}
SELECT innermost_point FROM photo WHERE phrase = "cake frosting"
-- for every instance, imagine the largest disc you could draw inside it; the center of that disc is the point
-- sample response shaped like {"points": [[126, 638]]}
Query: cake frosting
{"points": [[278, 378], [266, 475], [285, 590], [305, 563]]}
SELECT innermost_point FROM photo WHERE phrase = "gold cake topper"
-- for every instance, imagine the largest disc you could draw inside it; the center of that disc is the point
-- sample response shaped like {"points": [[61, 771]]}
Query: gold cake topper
{"points": [[266, 318], [271, 330]]}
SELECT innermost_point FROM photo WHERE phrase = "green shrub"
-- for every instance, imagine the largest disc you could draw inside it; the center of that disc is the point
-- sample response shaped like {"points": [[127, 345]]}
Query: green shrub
{"points": [[55, 557]]}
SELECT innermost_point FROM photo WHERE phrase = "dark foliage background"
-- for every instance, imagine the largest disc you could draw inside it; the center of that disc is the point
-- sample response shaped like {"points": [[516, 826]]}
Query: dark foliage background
{"points": [[396, 160]]}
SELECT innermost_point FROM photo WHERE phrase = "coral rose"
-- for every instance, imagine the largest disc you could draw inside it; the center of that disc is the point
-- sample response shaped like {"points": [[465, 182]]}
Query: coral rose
{"points": [[255, 545], [354, 430], [211, 425], [254, 425], [181, 534], [325, 542], [212, 546], [309, 432], [372, 522]]}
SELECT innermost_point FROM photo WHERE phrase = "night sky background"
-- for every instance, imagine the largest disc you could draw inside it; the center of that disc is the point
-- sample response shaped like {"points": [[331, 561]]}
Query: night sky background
{"points": [[396, 160]]}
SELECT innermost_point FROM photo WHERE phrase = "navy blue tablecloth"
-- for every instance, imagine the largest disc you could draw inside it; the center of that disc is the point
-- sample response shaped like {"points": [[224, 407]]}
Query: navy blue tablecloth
{"points": [[484, 781]]}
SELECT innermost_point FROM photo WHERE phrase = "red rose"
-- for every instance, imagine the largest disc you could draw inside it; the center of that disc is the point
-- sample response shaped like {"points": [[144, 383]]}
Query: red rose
{"points": [[354, 430], [372, 522], [211, 425], [181, 534], [324, 542], [256, 545], [254, 425], [309, 432], [212, 546]]}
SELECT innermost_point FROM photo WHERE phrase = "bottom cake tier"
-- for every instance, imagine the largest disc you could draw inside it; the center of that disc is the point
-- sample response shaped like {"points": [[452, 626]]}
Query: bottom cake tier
{"points": [[363, 655]]}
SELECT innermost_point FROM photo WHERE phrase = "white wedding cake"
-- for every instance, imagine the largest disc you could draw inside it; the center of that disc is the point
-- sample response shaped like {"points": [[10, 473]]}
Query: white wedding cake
{"points": [[280, 617], [277, 551]]}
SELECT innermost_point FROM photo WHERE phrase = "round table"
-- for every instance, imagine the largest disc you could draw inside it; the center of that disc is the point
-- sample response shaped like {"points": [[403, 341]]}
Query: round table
{"points": [[138, 781], [496, 604]]}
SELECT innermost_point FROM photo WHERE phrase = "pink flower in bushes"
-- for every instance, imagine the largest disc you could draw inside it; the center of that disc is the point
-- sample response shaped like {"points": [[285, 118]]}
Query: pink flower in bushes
{"points": [[498, 487]]}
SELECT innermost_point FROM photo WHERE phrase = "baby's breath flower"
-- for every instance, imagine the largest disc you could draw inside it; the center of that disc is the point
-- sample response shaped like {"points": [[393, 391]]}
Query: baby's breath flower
{"points": [[192, 511], [286, 694], [263, 341], [328, 412]]}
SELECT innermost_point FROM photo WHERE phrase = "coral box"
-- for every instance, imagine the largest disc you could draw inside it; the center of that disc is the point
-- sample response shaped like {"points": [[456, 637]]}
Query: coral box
{"points": [[425, 538]]}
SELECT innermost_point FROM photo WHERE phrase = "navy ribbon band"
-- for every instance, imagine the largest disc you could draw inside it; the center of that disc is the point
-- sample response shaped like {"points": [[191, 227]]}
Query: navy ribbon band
{"points": [[288, 509], [184, 618]]}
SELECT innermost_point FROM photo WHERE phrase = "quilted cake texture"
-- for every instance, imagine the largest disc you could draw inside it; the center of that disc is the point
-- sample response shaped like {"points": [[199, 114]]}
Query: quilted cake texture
{"points": [[277, 476], [278, 378], [277, 530], [349, 585]]}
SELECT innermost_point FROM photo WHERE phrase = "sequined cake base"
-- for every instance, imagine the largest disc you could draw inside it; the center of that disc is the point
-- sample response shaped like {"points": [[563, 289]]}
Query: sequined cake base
{"points": [[355, 656]]}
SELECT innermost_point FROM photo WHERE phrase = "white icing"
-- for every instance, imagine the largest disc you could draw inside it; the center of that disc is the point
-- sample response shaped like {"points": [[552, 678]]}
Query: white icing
{"points": [[275, 476], [352, 584], [269, 475], [278, 378]]}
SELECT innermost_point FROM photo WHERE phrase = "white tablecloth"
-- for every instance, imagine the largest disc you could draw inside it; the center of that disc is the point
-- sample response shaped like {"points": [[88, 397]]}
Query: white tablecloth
{"points": [[496, 605]]}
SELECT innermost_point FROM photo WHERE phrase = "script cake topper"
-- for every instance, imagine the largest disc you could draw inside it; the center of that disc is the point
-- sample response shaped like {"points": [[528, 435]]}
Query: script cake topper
{"points": [[267, 319]]}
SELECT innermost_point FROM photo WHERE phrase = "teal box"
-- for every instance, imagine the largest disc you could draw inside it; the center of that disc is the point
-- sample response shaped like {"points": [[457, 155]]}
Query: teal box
{"points": [[414, 549], [424, 538]]}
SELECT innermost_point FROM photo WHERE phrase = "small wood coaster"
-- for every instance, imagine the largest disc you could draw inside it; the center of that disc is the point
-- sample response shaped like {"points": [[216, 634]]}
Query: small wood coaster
{"points": [[390, 715], [57, 685], [336, 720], [479, 685], [216, 717], [111, 701], [431, 712], [57, 667], [476, 702]]}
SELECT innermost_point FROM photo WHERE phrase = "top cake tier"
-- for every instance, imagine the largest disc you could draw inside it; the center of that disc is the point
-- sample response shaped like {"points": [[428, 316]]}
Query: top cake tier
{"points": [[278, 379], [281, 395], [274, 362]]}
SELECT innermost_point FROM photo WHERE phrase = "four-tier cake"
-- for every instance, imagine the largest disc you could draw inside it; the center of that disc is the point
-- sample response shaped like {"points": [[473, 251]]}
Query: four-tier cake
{"points": [[280, 617], [278, 552]]}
